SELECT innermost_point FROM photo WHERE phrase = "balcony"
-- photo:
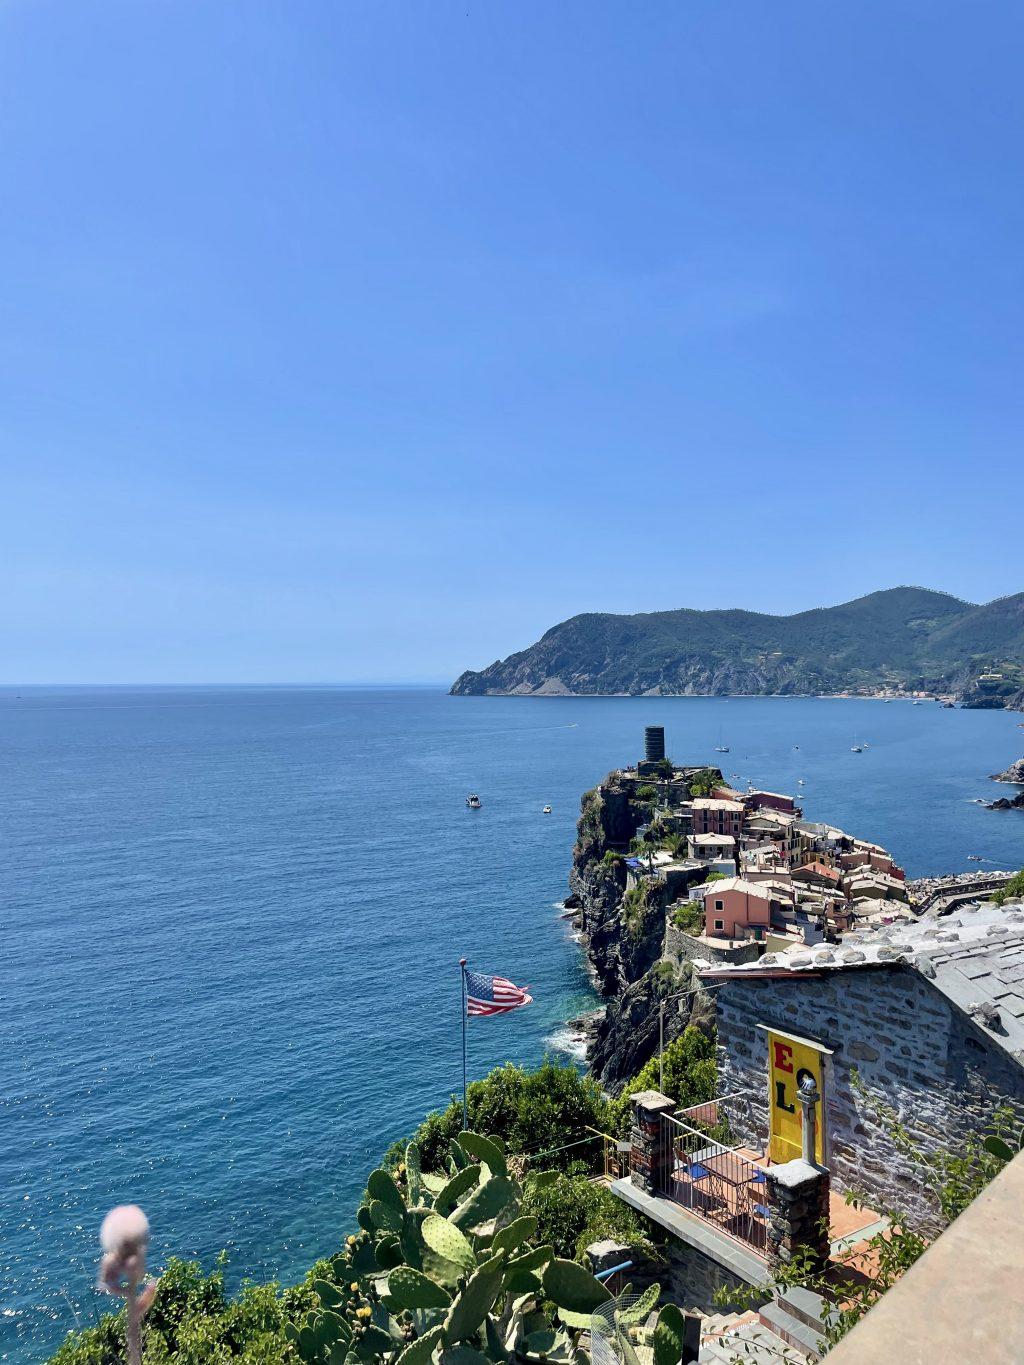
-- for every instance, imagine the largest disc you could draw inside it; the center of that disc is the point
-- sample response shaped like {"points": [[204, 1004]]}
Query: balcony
{"points": [[696, 1168], [713, 1193]]}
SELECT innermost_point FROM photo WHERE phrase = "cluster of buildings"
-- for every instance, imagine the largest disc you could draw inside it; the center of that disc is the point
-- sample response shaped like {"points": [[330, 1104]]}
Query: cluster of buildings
{"points": [[870, 1036], [761, 871]]}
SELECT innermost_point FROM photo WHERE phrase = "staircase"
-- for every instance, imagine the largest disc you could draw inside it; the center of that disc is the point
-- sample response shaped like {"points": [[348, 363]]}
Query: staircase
{"points": [[785, 1331]]}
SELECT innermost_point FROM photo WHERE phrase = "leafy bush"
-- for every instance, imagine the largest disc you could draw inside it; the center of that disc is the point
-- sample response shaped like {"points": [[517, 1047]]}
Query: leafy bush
{"points": [[688, 1063], [572, 1212], [532, 1111], [646, 792], [1012, 890], [689, 917], [193, 1321], [638, 905], [611, 856]]}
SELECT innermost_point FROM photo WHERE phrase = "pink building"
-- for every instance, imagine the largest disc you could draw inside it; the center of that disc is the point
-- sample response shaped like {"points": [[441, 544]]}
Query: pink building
{"points": [[717, 817], [734, 908]]}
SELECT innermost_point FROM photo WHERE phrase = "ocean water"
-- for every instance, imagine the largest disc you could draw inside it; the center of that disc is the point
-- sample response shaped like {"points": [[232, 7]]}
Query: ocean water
{"points": [[230, 925]]}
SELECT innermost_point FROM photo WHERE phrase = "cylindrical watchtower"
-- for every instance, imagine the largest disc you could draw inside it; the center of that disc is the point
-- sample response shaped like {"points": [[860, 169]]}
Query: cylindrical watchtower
{"points": [[654, 743]]}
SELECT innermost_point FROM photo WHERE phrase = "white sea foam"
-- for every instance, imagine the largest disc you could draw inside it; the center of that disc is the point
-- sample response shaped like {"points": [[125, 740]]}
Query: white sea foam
{"points": [[569, 1041]]}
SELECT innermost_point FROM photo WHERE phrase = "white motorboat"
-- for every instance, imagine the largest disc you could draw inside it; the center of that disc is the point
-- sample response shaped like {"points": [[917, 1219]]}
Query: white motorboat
{"points": [[473, 801], [546, 810]]}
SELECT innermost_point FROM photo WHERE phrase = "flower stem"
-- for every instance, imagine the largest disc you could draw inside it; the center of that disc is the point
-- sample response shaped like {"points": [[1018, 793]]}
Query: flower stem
{"points": [[134, 1336]]}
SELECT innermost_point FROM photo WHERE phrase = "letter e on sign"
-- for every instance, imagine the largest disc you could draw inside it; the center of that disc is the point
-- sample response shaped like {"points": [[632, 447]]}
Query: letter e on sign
{"points": [[783, 1056]]}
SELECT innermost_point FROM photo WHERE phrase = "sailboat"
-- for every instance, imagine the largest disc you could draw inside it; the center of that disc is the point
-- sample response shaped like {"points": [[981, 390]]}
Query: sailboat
{"points": [[721, 748]]}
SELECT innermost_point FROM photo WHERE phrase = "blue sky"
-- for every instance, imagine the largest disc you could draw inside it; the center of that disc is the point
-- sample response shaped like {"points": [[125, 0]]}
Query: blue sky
{"points": [[367, 340]]}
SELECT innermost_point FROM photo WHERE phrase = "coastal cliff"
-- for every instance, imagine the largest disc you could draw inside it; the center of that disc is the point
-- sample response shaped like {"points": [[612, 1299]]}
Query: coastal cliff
{"points": [[903, 641], [622, 927]]}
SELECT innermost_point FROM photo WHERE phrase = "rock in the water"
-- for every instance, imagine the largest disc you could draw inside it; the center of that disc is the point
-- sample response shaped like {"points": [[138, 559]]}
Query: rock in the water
{"points": [[1008, 803], [1014, 773]]}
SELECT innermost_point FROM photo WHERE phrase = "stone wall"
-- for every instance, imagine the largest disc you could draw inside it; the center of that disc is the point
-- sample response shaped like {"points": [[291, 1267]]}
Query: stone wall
{"points": [[690, 1278], [683, 947], [913, 1051]]}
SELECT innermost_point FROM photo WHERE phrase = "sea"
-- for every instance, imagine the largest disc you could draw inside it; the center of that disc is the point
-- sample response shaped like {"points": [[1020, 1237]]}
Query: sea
{"points": [[231, 920]]}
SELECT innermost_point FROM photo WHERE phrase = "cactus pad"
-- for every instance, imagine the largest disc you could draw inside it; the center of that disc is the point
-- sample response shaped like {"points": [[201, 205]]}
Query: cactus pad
{"points": [[484, 1149], [447, 1241], [411, 1289], [572, 1287]]}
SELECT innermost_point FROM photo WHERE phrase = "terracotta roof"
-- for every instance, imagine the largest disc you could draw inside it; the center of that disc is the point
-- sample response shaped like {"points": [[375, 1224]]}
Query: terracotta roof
{"points": [[821, 869]]}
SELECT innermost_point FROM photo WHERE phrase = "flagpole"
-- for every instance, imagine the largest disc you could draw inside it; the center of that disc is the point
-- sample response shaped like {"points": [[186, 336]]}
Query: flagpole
{"points": [[462, 968]]}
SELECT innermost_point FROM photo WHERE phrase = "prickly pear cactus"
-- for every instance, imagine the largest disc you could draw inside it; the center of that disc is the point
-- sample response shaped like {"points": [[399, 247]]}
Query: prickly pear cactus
{"points": [[443, 1272]]}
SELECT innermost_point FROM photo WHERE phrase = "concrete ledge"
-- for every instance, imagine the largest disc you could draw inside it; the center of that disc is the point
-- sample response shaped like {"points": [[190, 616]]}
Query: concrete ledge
{"points": [[745, 1265], [962, 1300]]}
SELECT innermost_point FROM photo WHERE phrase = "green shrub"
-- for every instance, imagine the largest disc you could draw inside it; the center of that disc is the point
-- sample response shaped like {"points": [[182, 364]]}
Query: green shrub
{"points": [[646, 793], [532, 1111], [639, 904], [704, 782], [611, 856], [194, 1322], [1013, 888], [572, 1212], [688, 1063], [689, 917]]}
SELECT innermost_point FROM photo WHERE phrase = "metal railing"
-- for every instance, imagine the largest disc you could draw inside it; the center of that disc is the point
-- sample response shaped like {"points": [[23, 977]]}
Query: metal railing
{"points": [[723, 1186]]}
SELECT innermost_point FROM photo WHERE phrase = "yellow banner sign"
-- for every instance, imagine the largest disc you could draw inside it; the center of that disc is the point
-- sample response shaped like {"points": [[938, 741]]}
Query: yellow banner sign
{"points": [[789, 1060]]}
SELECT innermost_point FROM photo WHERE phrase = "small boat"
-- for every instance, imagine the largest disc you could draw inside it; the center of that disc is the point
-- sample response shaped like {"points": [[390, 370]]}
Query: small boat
{"points": [[546, 810], [473, 801], [974, 858], [799, 782], [856, 749], [721, 748], [915, 703]]}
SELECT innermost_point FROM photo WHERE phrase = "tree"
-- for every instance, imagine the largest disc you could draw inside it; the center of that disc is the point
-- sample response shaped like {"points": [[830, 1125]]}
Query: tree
{"points": [[688, 1066], [532, 1111]]}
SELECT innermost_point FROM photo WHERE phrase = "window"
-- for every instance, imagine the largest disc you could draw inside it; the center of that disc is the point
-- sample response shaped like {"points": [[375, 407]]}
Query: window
{"points": [[719, 905], [719, 924]]}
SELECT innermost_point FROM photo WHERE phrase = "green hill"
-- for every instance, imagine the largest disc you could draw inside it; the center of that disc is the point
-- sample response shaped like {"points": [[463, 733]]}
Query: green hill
{"points": [[903, 638]]}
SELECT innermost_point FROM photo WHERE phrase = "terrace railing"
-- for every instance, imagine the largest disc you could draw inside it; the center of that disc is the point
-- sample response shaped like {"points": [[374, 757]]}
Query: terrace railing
{"points": [[724, 1186]]}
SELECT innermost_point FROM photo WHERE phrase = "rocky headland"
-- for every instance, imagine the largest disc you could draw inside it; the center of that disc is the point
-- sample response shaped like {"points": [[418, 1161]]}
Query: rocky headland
{"points": [[623, 930], [1014, 774], [901, 642]]}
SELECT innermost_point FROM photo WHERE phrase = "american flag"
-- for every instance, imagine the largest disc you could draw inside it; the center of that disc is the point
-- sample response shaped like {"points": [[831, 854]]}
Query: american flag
{"points": [[493, 994]]}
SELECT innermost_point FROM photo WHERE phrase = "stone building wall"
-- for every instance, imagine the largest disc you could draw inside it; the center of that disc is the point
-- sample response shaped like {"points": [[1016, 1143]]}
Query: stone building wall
{"points": [[913, 1051]]}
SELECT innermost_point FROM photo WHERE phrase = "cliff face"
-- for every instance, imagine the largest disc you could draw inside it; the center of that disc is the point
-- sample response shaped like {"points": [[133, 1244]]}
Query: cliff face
{"points": [[623, 933]]}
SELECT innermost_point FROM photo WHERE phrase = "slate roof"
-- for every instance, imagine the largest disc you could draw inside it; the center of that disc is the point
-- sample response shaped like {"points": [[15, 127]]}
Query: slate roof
{"points": [[975, 958]]}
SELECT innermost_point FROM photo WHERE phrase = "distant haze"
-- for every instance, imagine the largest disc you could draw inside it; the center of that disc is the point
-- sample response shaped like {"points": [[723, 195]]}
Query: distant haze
{"points": [[365, 341]]}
